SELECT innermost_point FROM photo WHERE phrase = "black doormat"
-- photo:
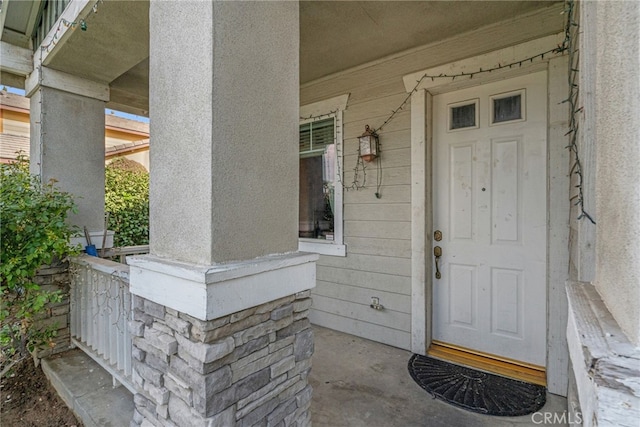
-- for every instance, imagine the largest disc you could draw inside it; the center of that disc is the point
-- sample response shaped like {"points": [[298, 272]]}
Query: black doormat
{"points": [[476, 391]]}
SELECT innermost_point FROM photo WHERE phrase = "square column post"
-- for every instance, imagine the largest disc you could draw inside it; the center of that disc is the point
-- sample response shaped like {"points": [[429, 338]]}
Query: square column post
{"points": [[224, 111], [67, 139], [221, 302]]}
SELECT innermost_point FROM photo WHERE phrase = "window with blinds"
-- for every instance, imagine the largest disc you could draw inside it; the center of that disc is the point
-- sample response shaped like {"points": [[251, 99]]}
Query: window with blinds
{"points": [[316, 136], [317, 176], [321, 207]]}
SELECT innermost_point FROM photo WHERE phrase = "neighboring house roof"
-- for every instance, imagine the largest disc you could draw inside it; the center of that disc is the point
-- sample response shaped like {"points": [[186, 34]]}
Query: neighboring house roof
{"points": [[10, 145], [115, 128], [126, 148], [12, 101]]}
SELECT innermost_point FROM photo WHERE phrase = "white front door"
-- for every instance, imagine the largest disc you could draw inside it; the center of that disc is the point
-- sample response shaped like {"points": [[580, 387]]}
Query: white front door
{"points": [[489, 201]]}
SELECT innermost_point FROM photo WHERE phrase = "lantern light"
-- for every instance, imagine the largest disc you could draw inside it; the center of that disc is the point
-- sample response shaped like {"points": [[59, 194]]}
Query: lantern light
{"points": [[369, 145]]}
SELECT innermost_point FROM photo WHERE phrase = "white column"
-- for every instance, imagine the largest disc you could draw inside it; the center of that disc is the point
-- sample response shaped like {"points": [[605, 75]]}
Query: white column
{"points": [[224, 113], [67, 139]]}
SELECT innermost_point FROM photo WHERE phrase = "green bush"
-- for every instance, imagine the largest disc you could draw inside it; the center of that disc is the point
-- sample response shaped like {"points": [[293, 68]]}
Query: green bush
{"points": [[127, 201], [33, 233]]}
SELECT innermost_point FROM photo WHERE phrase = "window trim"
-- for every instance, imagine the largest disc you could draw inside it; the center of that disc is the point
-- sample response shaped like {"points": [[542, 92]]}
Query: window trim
{"points": [[332, 107]]}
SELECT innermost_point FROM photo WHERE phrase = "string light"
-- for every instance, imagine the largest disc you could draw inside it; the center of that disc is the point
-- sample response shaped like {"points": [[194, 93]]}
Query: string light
{"points": [[41, 122], [557, 50], [360, 168], [64, 23], [568, 45], [321, 116], [571, 27]]}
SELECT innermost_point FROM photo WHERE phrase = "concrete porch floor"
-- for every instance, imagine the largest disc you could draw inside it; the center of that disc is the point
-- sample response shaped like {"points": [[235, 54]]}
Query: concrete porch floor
{"points": [[356, 382]]}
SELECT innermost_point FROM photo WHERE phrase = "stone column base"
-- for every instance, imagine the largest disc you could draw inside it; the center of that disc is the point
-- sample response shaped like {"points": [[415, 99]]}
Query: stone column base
{"points": [[247, 368], [54, 278]]}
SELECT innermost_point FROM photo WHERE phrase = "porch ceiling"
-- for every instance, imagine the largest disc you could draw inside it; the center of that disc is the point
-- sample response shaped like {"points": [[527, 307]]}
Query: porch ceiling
{"points": [[337, 35], [334, 35]]}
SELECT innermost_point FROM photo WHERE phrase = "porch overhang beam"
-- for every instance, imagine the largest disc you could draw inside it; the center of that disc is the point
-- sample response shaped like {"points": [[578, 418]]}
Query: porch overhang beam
{"points": [[15, 38], [15, 60], [3, 15], [43, 76]]}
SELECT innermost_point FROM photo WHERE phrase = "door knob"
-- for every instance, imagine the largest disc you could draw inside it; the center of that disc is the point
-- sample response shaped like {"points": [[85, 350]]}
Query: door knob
{"points": [[437, 253]]}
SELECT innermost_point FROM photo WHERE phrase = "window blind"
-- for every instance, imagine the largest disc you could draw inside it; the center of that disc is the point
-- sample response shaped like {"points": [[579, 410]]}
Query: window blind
{"points": [[315, 136]]}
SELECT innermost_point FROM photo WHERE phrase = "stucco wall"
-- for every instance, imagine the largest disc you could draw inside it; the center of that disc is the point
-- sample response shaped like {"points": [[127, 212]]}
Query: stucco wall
{"points": [[616, 62]]}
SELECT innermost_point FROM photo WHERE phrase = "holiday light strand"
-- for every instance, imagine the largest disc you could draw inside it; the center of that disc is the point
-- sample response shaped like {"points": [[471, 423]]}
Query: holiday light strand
{"points": [[64, 23], [540, 56], [572, 28]]}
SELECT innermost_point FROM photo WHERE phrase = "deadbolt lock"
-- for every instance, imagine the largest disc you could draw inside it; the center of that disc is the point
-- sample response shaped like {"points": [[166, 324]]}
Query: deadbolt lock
{"points": [[437, 235]]}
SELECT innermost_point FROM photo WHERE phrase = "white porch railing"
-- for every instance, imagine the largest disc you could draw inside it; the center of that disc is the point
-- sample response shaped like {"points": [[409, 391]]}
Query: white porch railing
{"points": [[100, 305]]}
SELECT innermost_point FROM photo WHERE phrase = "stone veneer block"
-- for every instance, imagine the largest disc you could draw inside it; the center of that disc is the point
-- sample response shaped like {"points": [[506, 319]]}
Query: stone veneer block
{"points": [[207, 353], [255, 371], [55, 278]]}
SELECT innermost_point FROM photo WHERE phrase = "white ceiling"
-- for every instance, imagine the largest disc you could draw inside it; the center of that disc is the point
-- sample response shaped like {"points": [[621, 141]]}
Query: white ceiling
{"points": [[337, 35], [334, 36]]}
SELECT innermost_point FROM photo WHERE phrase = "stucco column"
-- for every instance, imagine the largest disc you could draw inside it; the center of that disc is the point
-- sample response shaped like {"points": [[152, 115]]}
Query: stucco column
{"points": [[67, 139], [221, 302], [617, 101], [224, 109]]}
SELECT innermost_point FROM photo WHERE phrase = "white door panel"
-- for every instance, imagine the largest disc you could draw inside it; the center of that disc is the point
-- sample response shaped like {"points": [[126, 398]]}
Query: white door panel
{"points": [[490, 204]]}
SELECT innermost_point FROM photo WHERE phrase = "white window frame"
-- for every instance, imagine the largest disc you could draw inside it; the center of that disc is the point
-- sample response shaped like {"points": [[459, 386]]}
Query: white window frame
{"points": [[323, 110], [523, 107]]}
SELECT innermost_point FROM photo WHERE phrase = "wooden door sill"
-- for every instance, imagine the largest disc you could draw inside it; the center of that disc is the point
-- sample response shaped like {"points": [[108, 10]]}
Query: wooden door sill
{"points": [[488, 362]]}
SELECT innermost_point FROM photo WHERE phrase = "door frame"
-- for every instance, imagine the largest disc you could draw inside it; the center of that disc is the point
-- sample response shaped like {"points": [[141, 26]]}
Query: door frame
{"points": [[558, 186]]}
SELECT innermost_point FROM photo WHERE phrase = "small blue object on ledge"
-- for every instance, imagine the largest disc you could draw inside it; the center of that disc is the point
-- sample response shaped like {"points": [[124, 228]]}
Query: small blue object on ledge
{"points": [[91, 250]]}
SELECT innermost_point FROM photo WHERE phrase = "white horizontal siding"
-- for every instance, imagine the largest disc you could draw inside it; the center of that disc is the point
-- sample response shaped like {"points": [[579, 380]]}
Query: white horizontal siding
{"points": [[387, 318], [378, 231], [392, 194], [389, 336], [365, 279], [377, 212], [376, 264], [396, 248], [362, 296], [381, 229]]}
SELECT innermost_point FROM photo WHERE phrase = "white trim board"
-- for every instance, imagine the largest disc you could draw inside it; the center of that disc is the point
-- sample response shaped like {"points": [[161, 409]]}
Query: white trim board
{"points": [[420, 220], [605, 364], [557, 178], [210, 292], [324, 107]]}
